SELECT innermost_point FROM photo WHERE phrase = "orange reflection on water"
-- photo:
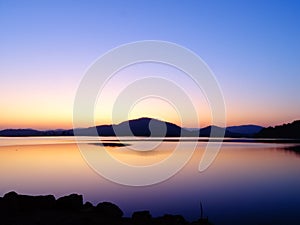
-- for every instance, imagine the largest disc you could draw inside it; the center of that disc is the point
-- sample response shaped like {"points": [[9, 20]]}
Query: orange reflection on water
{"points": [[243, 178], [140, 158], [42, 168]]}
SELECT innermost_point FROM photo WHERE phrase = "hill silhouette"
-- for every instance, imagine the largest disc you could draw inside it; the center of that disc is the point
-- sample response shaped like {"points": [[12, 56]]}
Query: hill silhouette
{"points": [[34, 133], [290, 130], [245, 129], [144, 127]]}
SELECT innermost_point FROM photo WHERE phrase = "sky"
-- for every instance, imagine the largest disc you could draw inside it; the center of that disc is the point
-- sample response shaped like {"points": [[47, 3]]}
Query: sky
{"points": [[46, 47]]}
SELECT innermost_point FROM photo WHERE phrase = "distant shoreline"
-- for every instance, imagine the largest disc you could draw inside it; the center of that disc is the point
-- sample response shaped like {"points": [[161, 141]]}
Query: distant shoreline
{"points": [[113, 142], [148, 127]]}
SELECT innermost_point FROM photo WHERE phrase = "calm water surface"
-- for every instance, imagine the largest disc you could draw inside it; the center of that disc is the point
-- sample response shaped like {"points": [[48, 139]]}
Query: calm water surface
{"points": [[248, 183]]}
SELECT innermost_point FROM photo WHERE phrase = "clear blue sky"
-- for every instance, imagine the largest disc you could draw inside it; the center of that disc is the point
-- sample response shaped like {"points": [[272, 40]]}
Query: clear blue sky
{"points": [[253, 47]]}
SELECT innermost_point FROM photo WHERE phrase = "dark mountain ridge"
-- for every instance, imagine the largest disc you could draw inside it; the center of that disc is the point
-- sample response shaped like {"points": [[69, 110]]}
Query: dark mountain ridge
{"points": [[147, 127], [290, 130], [248, 129], [144, 127]]}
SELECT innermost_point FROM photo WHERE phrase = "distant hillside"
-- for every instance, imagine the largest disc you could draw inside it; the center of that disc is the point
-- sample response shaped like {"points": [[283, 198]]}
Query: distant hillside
{"points": [[245, 129], [20, 132], [34, 133], [219, 131], [290, 130], [139, 127], [144, 126]]}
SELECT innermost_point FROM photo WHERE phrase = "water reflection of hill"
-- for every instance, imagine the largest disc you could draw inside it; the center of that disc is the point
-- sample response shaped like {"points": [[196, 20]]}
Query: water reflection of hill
{"points": [[295, 149]]}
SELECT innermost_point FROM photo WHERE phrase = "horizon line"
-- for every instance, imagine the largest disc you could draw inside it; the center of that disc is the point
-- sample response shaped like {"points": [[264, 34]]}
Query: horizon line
{"points": [[32, 128]]}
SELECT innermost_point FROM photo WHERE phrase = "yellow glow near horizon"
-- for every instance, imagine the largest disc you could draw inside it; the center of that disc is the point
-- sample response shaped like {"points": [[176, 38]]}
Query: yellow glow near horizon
{"points": [[62, 119], [33, 111], [155, 108], [51, 107], [36, 109]]}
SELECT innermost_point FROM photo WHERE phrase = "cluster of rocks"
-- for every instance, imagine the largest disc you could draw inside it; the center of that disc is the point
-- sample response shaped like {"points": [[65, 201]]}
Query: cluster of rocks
{"points": [[18, 209]]}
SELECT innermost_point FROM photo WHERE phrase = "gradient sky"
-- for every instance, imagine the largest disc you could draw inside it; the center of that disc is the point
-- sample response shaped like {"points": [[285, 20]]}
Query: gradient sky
{"points": [[253, 48]]}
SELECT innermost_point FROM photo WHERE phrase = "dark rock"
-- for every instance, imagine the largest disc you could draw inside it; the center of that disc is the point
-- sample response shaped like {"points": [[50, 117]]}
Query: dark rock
{"points": [[11, 202], [15, 202], [203, 221], [2, 205], [73, 202], [28, 203], [10, 195], [88, 206], [69, 210], [141, 217], [110, 210], [171, 220]]}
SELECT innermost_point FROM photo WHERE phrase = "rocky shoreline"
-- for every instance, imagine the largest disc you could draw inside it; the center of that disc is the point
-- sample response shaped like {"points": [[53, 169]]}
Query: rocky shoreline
{"points": [[16, 209]]}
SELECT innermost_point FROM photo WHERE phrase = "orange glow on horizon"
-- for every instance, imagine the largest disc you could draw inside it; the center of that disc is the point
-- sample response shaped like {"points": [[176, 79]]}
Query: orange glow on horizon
{"points": [[47, 122], [43, 115]]}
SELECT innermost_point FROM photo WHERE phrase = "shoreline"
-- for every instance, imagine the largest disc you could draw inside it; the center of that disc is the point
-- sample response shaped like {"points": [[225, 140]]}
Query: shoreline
{"points": [[70, 210]]}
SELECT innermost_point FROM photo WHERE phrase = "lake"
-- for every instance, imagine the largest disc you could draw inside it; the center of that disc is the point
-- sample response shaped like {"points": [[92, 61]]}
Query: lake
{"points": [[248, 183]]}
